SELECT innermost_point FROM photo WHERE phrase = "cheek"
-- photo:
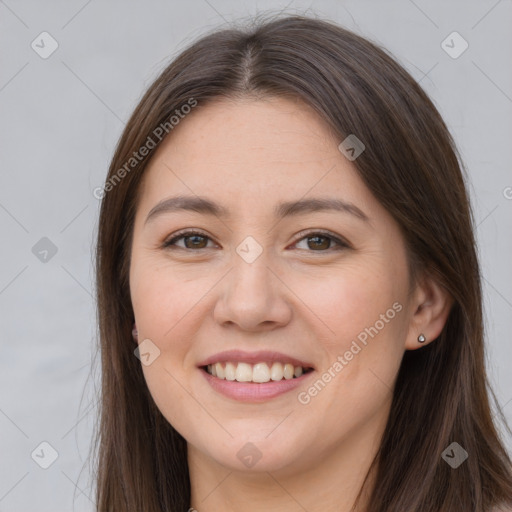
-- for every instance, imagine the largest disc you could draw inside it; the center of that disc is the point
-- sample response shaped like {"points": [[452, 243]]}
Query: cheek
{"points": [[164, 301], [166, 308], [348, 301], [362, 312]]}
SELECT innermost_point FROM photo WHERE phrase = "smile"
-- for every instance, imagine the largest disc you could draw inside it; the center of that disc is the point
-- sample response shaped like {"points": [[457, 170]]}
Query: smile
{"points": [[255, 376], [256, 373]]}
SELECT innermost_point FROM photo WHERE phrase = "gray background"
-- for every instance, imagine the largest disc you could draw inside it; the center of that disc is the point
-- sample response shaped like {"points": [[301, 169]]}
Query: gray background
{"points": [[60, 119]]}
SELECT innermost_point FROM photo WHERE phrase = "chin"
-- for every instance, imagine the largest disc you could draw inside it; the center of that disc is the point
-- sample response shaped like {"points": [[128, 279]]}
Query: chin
{"points": [[256, 456]]}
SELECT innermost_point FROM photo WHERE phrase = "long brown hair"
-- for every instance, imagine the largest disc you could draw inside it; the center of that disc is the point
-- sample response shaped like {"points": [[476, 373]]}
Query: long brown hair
{"points": [[411, 166]]}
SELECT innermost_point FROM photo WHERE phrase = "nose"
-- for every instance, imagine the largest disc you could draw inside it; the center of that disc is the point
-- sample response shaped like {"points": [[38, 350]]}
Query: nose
{"points": [[253, 296]]}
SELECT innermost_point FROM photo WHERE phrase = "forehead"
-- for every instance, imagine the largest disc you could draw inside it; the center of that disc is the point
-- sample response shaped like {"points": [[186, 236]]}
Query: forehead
{"points": [[252, 153], [263, 131]]}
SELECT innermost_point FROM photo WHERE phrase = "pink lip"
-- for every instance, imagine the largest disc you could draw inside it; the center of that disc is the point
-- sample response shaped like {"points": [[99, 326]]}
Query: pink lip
{"points": [[251, 391], [239, 356]]}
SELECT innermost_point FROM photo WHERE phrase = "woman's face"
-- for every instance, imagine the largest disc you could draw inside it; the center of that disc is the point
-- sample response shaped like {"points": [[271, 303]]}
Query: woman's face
{"points": [[275, 282]]}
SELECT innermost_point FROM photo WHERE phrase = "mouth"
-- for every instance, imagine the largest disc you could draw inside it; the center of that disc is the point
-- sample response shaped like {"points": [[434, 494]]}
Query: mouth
{"points": [[259, 373], [255, 377]]}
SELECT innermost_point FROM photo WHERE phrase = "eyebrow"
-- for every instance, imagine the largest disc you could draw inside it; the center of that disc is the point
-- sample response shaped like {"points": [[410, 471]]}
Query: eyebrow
{"points": [[207, 207]]}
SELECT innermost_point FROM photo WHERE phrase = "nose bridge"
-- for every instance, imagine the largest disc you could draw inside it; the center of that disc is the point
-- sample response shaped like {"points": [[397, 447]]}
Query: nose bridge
{"points": [[252, 270], [252, 277], [252, 295]]}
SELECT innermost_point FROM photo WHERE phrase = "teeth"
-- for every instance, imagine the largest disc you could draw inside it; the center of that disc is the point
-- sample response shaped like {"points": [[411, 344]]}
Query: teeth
{"points": [[260, 372], [229, 371], [288, 371], [219, 371], [276, 372], [243, 372]]}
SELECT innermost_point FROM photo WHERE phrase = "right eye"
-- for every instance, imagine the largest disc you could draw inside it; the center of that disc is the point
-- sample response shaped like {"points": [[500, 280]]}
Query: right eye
{"points": [[192, 240]]}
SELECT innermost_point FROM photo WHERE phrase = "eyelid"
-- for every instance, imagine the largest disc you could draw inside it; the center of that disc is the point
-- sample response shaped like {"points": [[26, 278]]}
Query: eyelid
{"points": [[340, 241], [182, 234]]}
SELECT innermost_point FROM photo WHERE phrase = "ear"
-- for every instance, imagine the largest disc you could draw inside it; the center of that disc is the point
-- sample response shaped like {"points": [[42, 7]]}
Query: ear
{"points": [[135, 333], [431, 305]]}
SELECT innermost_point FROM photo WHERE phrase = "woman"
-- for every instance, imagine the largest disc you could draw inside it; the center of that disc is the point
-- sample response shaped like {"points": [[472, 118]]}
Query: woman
{"points": [[289, 295]]}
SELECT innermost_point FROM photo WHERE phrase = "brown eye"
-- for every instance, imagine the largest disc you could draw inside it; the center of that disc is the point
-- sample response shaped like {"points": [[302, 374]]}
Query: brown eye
{"points": [[319, 242], [316, 241], [322, 242], [191, 240], [195, 242]]}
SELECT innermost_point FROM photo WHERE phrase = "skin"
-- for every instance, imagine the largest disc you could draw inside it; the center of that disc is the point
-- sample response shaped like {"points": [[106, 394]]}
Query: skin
{"points": [[248, 155]]}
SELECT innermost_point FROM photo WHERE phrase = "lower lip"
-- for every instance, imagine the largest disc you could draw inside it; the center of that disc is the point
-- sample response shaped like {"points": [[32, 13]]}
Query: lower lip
{"points": [[253, 391]]}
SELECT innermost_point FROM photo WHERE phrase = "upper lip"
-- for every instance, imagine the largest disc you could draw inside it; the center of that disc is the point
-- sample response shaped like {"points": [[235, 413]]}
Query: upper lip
{"points": [[263, 356]]}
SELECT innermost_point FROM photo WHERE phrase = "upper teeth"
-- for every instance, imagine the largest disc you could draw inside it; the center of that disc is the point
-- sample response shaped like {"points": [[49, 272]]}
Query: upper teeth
{"points": [[260, 372]]}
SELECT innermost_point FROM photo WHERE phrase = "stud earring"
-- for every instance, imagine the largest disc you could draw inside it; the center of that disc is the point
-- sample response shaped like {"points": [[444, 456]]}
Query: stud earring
{"points": [[135, 333], [421, 338]]}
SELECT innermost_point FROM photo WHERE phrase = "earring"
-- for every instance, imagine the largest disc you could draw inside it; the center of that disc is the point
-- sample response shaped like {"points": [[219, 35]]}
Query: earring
{"points": [[135, 333], [421, 338]]}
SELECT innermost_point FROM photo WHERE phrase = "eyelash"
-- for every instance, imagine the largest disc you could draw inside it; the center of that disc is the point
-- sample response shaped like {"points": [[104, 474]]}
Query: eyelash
{"points": [[185, 234]]}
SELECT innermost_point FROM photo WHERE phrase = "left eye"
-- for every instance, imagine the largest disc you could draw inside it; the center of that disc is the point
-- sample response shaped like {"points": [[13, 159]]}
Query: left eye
{"points": [[322, 241], [197, 240]]}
